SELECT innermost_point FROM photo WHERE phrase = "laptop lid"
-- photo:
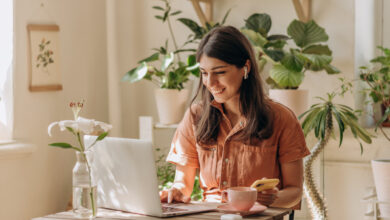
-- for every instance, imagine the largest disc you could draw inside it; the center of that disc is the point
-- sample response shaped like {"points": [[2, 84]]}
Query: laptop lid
{"points": [[126, 175]]}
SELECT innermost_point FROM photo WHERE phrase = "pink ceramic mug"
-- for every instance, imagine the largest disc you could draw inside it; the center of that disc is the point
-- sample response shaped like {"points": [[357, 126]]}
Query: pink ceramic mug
{"points": [[241, 198]]}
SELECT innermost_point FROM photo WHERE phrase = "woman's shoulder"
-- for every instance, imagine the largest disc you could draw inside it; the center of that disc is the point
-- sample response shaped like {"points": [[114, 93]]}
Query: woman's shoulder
{"points": [[281, 112]]}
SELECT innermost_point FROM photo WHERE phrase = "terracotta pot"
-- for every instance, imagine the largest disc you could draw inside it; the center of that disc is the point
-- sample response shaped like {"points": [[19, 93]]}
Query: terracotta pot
{"points": [[386, 123], [297, 100], [171, 105], [381, 172]]}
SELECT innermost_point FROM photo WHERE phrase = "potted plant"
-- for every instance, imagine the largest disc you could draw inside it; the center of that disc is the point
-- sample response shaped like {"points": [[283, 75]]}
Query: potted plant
{"points": [[377, 78], [320, 118], [289, 65], [170, 74]]}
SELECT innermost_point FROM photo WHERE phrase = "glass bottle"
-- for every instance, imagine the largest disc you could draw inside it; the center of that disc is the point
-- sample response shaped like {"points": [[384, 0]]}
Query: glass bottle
{"points": [[84, 186]]}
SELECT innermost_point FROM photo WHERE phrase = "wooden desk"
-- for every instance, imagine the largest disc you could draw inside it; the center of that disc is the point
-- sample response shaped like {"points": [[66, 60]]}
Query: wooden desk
{"points": [[105, 214]]}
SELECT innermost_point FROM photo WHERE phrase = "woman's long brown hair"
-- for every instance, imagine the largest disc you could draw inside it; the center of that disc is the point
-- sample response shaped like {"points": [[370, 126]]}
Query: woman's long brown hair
{"points": [[226, 43]]}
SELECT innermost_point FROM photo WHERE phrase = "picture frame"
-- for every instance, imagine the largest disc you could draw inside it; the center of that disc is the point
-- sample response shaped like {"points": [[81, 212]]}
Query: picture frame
{"points": [[44, 58]]}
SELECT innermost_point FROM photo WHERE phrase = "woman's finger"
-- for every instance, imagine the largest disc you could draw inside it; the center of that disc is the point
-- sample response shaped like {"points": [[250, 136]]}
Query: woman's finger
{"points": [[163, 196], [170, 195]]}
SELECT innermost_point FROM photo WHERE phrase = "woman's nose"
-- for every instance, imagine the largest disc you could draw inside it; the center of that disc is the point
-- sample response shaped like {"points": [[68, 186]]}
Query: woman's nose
{"points": [[211, 80]]}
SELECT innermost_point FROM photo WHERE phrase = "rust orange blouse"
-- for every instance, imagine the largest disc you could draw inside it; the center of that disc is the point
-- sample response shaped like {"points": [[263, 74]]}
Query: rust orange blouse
{"points": [[230, 162]]}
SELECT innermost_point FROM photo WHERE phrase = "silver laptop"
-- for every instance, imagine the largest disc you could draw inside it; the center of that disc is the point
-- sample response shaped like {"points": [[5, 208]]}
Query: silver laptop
{"points": [[127, 179]]}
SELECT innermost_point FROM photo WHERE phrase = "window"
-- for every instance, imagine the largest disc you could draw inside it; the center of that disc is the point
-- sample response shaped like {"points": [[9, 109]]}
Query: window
{"points": [[6, 60]]}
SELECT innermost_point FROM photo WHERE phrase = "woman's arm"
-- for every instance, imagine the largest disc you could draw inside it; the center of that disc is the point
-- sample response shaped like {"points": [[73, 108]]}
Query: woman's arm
{"points": [[292, 176], [184, 179], [182, 187]]}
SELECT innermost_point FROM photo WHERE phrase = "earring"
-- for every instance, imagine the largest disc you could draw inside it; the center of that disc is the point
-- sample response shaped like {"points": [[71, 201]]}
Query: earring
{"points": [[245, 73]]}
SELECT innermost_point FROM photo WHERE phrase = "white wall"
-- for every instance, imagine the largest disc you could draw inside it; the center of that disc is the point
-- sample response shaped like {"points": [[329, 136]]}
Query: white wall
{"points": [[41, 183]]}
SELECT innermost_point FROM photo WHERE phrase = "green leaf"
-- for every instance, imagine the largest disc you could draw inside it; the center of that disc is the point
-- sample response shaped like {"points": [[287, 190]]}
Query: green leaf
{"points": [[151, 58], [191, 60], [292, 62], [71, 130], [175, 13], [193, 26], [158, 8], [277, 44], [260, 23], [64, 145], [318, 49], [331, 69], [285, 77], [305, 34], [275, 37], [136, 74], [310, 120], [255, 38], [340, 123], [102, 136], [273, 84], [167, 61], [314, 62], [159, 17], [224, 17], [275, 54]]}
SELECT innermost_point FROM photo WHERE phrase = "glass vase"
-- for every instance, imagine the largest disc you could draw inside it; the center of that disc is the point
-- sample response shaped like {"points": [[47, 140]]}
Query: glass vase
{"points": [[84, 187]]}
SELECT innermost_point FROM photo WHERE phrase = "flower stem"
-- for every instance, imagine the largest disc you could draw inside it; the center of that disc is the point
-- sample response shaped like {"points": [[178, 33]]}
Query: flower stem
{"points": [[90, 186]]}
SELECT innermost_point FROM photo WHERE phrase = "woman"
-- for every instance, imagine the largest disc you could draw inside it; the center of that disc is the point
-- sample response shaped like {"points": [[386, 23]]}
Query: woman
{"points": [[235, 135]]}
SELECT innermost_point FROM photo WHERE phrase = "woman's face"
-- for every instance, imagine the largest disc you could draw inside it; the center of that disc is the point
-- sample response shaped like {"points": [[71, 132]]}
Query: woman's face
{"points": [[223, 80]]}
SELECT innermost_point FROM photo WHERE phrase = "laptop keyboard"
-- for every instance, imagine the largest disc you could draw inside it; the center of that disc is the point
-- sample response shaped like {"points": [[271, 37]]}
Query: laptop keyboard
{"points": [[166, 208]]}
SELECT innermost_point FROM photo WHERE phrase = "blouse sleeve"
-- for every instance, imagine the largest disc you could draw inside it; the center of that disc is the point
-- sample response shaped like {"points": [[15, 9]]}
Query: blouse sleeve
{"points": [[292, 144], [183, 147]]}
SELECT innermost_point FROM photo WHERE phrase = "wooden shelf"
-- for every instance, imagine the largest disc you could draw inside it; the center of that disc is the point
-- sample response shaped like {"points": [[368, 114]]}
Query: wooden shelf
{"points": [[302, 8]]}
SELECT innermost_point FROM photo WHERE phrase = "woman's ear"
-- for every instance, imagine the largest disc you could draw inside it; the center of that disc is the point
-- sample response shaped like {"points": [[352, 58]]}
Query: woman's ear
{"points": [[248, 65]]}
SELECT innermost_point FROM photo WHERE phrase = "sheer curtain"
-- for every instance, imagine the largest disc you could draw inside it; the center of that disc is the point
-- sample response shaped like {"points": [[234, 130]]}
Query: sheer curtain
{"points": [[6, 60]]}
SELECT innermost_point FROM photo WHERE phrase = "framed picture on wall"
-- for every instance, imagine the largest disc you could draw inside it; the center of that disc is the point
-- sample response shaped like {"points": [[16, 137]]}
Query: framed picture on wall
{"points": [[44, 58]]}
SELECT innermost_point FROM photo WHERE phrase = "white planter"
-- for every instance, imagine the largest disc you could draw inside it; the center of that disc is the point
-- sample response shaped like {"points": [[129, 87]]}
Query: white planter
{"points": [[171, 105], [297, 100], [381, 172]]}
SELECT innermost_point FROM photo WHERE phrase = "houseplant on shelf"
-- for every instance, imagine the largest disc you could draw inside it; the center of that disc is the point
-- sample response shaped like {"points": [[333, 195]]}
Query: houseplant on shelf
{"points": [[169, 74], [320, 119], [289, 64], [377, 78], [84, 183]]}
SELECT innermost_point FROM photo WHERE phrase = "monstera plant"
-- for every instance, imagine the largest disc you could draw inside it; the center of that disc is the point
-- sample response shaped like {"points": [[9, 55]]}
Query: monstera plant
{"points": [[291, 56], [289, 63]]}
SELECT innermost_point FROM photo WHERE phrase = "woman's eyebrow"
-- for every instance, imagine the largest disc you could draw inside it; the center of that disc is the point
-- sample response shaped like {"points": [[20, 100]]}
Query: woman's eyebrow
{"points": [[214, 68]]}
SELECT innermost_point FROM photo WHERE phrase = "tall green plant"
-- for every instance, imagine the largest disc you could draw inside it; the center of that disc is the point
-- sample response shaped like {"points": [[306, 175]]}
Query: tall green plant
{"points": [[320, 119], [378, 81], [289, 64], [172, 73]]}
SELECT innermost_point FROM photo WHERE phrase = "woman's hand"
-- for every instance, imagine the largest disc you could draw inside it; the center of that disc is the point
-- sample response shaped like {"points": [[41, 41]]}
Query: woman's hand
{"points": [[267, 197], [173, 195]]}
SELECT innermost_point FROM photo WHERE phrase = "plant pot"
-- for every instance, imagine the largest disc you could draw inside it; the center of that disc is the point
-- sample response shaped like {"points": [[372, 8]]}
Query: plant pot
{"points": [[386, 123], [296, 100], [381, 173], [171, 105]]}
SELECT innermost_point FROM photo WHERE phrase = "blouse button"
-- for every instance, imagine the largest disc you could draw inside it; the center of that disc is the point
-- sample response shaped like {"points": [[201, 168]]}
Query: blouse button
{"points": [[226, 160], [224, 183]]}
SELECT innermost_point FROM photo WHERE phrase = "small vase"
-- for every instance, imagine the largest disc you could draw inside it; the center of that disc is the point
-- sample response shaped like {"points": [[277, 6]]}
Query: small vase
{"points": [[84, 187]]}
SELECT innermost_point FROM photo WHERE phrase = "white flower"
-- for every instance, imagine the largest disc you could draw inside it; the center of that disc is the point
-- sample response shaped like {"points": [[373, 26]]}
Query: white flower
{"points": [[84, 125]]}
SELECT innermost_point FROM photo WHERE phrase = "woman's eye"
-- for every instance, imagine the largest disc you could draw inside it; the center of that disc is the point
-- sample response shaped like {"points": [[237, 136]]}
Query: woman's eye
{"points": [[203, 73], [221, 72]]}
